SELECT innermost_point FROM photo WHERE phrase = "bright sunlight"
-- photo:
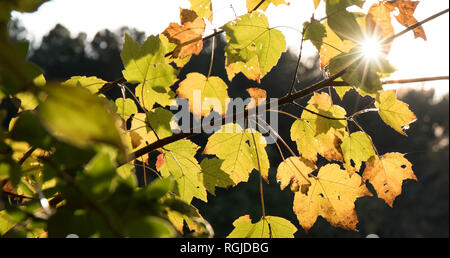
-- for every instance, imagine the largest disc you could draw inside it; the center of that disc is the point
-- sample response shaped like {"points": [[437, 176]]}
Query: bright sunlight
{"points": [[371, 48]]}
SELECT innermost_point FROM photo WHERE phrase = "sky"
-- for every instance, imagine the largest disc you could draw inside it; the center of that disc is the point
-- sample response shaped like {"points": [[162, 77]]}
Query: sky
{"points": [[412, 57]]}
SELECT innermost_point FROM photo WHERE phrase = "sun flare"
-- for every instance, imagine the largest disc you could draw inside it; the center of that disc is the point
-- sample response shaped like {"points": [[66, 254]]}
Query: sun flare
{"points": [[371, 48]]}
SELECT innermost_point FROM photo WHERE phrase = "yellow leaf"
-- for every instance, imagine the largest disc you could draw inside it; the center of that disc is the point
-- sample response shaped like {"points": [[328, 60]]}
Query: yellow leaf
{"points": [[394, 112], [387, 173], [295, 171], [211, 91], [252, 4], [332, 195], [405, 16]]}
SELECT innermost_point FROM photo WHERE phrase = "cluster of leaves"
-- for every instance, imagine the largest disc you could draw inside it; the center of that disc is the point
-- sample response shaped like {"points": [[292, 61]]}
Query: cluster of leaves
{"points": [[68, 158]]}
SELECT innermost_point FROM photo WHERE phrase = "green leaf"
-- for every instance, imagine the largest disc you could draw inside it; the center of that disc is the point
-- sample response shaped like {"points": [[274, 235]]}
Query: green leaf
{"points": [[342, 22], [150, 227], [250, 36], [357, 148], [237, 148], [361, 73], [213, 175], [6, 222], [37, 137], [76, 116], [315, 31], [146, 64], [268, 227], [160, 187], [178, 160], [394, 112], [159, 119], [93, 84], [148, 96], [126, 108], [202, 8]]}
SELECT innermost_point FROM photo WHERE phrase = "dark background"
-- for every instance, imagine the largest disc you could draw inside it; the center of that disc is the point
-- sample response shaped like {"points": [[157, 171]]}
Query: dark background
{"points": [[420, 211]]}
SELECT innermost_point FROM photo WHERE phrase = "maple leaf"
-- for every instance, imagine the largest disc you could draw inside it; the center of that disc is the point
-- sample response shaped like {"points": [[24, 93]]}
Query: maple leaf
{"points": [[93, 84], [160, 121], [332, 46], [332, 195], [378, 24], [188, 35], [203, 8], [139, 134], [406, 9], [315, 32], [178, 160], [295, 171], [208, 88], [256, 94], [387, 173], [267, 227], [315, 134], [125, 107], [251, 40], [213, 176], [394, 112], [241, 150], [148, 95], [251, 4], [357, 147]]}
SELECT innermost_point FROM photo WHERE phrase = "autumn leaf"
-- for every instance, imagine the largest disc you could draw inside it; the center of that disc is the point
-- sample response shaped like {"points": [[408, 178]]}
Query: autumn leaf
{"points": [[394, 112], [332, 195], [240, 150], [316, 3], [199, 89], [387, 173], [178, 160], [379, 26], [258, 97], [213, 176], [357, 148], [316, 134], [268, 227], [139, 134], [188, 35], [203, 8], [148, 96], [250, 37], [294, 171], [406, 9], [252, 4], [332, 46]]}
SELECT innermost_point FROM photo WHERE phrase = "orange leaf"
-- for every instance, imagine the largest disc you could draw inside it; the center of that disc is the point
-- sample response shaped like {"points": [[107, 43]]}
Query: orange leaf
{"points": [[405, 17], [188, 35], [378, 24], [256, 94]]}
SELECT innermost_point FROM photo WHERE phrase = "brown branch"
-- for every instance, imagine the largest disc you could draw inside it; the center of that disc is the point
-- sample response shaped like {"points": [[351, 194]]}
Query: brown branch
{"points": [[401, 81]]}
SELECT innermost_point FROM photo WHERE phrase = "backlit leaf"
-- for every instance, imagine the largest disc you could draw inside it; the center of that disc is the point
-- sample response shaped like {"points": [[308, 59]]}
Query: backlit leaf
{"points": [[93, 84], [357, 147], [250, 36], [252, 4], [188, 35], [125, 107], [268, 227], [294, 171], [237, 148], [177, 160], [203, 8], [199, 89], [405, 16], [332, 195], [387, 173], [213, 175], [394, 112], [74, 115]]}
